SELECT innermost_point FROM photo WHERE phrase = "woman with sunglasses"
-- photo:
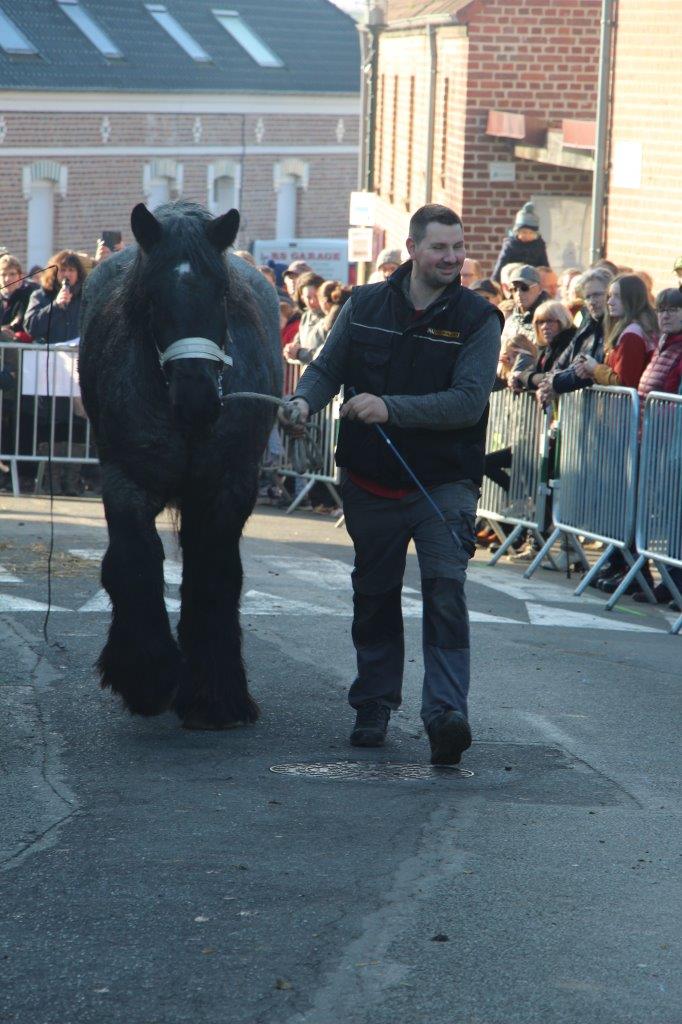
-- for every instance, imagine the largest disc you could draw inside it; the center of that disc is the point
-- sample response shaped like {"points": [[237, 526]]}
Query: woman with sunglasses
{"points": [[554, 332]]}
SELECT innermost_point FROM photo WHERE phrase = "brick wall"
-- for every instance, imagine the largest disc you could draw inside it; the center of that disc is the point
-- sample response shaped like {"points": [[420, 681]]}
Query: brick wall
{"points": [[517, 55], [105, 185], [644, 220]]}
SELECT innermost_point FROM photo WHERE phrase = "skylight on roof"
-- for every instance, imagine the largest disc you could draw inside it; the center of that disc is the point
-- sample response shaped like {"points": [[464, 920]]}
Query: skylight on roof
{"points": [[89, 27], [12, 40], [159, 13], [242, 33]]}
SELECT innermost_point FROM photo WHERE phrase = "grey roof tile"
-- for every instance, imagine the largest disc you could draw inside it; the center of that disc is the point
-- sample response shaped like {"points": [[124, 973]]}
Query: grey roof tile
{"points": [[317, 42]]}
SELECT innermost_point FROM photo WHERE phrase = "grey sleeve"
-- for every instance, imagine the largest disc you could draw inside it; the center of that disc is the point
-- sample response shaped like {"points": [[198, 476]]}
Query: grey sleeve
{"points": [[463, 403], [324, 376]]}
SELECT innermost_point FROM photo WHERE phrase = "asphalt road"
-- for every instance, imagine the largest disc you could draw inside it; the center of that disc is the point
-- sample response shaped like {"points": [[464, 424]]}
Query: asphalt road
{"points": [[155, 876]]}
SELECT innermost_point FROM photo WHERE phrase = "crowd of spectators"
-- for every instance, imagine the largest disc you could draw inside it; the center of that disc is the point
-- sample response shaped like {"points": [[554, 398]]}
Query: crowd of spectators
{"points": [[595, 325]]}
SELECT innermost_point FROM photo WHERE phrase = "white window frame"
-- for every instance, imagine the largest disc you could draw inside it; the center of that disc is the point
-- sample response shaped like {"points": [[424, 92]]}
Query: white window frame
{"points": [[249, 40], [90, 28], [158, 171], [288, 177], [216, 172], [21, 44], [178, 34], [40, 181]]}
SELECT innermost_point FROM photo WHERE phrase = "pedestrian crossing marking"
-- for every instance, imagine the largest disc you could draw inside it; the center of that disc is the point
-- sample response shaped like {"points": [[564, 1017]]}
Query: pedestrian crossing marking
{"points": [[540, 615], [327, 577], [9, 603], [100, 602], [7, 577]]}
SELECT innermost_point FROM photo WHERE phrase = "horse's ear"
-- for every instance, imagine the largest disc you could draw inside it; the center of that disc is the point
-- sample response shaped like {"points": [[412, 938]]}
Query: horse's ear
{"points": [[146, 227], [223, 230]]}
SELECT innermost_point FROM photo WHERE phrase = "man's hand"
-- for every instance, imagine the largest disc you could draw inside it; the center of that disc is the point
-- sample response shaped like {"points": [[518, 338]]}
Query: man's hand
{"points": [[585, 367], [366, 408], [293, 416]]}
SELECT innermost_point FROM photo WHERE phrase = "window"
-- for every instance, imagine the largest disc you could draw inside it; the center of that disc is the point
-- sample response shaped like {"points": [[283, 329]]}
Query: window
{"points": [[224, 185], [12, 40], [89, 27], [233, 23], [175, 30]]}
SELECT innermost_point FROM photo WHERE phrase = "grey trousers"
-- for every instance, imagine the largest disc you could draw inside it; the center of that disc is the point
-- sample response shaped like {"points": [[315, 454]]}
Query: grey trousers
{"points": [[381, 529]]}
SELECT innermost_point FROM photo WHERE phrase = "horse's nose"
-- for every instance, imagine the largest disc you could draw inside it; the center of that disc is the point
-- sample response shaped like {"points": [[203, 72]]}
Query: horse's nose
{"points": [[195, 403]]}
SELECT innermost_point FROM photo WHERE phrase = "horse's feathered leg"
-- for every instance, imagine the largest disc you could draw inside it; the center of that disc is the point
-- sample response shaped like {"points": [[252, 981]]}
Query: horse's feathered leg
{"points": [[214, 693], [140, 660]]}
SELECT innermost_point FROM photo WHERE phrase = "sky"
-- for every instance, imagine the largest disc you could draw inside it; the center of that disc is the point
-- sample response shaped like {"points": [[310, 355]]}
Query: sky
{"points": [[354, 7]]}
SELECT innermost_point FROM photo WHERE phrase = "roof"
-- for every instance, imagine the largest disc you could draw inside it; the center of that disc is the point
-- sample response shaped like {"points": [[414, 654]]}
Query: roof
{"points": [[399, 10], [316, 43]]}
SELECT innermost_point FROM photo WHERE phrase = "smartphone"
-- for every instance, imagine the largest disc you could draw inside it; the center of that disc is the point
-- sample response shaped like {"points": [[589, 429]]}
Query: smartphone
{"points": [[111, 239]]}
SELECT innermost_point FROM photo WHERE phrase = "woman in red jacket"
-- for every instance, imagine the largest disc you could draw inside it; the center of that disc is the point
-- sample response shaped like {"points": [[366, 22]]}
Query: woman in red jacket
{"points": [[630, 330]]}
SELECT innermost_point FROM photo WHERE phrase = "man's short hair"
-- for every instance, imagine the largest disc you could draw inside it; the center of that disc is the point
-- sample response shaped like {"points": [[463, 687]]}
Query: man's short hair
{"points": [[8, 262], [430, 214]]}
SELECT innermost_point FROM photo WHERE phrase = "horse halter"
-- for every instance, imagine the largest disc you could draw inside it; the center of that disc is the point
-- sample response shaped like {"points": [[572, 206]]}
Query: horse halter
{"points": [[194, 348]]}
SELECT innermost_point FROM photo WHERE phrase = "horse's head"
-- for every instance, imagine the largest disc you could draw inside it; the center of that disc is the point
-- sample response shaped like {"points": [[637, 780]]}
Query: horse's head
{"points": [[186, 288]]}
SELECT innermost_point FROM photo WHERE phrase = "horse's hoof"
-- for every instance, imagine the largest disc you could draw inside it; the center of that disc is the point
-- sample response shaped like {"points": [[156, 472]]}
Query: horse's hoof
{"points": [[198, 722]]}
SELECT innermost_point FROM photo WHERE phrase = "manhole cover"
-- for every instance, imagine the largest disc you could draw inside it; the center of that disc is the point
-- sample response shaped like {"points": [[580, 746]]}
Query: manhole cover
{"points": [[366, 772]]}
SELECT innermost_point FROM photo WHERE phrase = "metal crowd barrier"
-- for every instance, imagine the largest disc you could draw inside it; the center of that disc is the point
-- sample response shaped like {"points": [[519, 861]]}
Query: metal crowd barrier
{"points": [[595, 493], [317, 449], [41, 409], [659, 501], [518, 428]]}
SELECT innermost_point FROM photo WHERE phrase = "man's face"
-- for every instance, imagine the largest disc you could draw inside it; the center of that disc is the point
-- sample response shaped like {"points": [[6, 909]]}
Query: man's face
{"points": [[9, 280], [526, 234], [388, 268], [595, 299], [468, 275], [524, 294], [439, 256]]}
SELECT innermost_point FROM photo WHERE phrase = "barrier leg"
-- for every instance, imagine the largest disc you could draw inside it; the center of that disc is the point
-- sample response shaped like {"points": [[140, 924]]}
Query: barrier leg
{"points": [[674, 590], [299, 497], [15, 477], [502, 550], [594, 571], [542, 553], [339, 522], [627, 580]]}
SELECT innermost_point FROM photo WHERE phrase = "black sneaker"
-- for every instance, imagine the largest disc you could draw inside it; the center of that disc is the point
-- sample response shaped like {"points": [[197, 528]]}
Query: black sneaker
{"points": [[371, 723], [449, 735]]}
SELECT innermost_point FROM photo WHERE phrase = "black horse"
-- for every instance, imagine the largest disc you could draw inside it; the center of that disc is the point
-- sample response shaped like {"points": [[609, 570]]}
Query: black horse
{"points": [[165, 438]]}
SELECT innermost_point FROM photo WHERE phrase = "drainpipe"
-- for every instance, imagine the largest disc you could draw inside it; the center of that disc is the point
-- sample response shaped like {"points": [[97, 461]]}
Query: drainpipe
{"points": [[431, 118], [601, 141]]}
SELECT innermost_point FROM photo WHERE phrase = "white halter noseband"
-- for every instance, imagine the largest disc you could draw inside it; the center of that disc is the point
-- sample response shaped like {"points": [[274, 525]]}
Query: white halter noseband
{"points": [[194, 348]]}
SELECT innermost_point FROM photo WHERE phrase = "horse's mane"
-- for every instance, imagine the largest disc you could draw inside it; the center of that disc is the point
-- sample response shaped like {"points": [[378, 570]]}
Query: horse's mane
{"points": [[184, 239]]}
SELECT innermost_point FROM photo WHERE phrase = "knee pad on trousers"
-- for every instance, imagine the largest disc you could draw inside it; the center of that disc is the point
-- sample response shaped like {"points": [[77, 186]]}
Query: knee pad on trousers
{"points": [[377, 617], [446, 621]]}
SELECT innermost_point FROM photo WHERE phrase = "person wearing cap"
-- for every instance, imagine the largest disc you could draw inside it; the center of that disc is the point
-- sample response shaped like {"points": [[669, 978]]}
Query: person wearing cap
{"points": [[291, 275], [524, 243], [417, 354], [528, 294], [488, 290], [387, 263]]}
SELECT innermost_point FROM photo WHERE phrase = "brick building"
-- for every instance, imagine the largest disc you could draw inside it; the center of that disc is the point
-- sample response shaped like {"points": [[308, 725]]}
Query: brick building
{"points": [[644, 201], [483, 105], [105, 104]]}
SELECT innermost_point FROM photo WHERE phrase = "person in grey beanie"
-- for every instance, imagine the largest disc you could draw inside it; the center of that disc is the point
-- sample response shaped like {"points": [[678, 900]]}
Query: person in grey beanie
{"points": [[524, 243]]}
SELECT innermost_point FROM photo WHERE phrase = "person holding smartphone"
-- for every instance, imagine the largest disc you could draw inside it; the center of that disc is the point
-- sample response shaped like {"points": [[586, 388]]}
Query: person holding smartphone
{"points": [[108, 242]]}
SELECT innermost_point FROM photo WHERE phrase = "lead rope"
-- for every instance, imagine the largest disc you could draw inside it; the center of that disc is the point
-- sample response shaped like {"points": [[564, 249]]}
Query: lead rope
{"points": [[306, 451]]}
